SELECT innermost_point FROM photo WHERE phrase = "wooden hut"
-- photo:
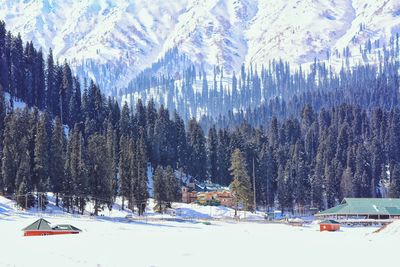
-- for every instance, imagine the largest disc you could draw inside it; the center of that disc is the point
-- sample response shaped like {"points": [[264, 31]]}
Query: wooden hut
{"points": [[42, 227], [329, 225]]}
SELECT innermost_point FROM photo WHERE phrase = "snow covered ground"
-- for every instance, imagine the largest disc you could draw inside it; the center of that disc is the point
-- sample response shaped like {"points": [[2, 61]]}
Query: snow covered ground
{"points": [[104, 242], [114, 241]]}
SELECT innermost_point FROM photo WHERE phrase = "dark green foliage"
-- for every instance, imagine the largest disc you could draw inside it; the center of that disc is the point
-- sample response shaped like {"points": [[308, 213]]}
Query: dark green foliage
{"points": [[196, 150], [166, 187], [140, 193], [172, 186], [57, 155], [100, 172], [241, 184], [160, 194], [212, 154]]}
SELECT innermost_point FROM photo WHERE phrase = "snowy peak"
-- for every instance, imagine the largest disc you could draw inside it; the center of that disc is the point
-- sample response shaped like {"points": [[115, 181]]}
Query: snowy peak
{"points": [[213, 33], [111, 41], [297, 31]]}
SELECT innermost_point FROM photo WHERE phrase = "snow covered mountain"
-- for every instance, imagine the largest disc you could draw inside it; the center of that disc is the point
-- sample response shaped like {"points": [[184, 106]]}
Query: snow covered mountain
{"points": [[112, 40]]}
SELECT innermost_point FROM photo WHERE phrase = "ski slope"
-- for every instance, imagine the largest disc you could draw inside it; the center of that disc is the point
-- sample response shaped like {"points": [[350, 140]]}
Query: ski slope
{"points": [[114, 241]]}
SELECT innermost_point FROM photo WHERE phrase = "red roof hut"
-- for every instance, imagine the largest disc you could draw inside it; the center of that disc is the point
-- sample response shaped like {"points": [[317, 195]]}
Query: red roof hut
{"points": [[329, 225], [42, 227]]}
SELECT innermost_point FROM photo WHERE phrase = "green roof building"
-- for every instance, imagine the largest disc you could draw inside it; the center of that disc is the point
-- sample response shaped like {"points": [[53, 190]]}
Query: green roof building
{"points": [[368, 208], [42, 227], [40, 224]]}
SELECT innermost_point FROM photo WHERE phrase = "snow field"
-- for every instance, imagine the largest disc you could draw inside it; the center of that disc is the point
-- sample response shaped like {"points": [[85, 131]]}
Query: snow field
{"points": [[112, 240], [105, 242]]}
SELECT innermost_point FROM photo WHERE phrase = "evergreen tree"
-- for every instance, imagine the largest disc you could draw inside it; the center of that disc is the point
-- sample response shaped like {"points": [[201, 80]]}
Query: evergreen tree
{"points": [[172, 186], [212, 150], [57, 162], [23, 179], [241, 185], [41, 174], [159, 187], [124, 121], [75, 105], [223, 157], [51, 93], [181, 144], [140, 192], [394, 189], [9, 167], [99, 172], [125, 161], [267, 173], [197, 150]]}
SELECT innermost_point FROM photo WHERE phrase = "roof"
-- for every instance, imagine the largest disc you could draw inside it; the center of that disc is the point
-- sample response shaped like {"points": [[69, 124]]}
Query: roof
{"points": [[64, 227], [329, 222], [365, 206], [40, 224]]}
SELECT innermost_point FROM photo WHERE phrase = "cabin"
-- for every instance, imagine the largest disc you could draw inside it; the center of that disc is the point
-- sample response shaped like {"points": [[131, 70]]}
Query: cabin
{"points": [[206, 193], [42, 227], [329, 225], [188, 195], [364, 208]]}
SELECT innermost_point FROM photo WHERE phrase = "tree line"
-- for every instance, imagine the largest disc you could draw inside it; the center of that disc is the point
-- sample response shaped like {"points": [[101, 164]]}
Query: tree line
{"points": [[81, 145], [279, 87]]}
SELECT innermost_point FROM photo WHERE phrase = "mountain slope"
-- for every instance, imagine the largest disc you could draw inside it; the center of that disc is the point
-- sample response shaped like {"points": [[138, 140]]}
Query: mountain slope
{"points": [[112, 40]]}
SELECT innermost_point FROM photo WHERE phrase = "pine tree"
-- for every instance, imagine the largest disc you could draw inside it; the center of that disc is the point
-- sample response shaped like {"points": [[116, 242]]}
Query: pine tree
{"points": [[41, 174], [39, 82], [301, 179], [159, 187], [347, 183], [23, 179], [17, 68], [50, 86], [181, 144], [267, 172], [172, 186], [212, 149], [66, 92], [285, 187], [223, 157], [74, 186], [394, 188], [197, 151], [161, 149], [99, 172], [9, 167], [75, 105], [140, 192], [111, 148], [125, 160], [241, 185], [124, 121], [57, 162]]}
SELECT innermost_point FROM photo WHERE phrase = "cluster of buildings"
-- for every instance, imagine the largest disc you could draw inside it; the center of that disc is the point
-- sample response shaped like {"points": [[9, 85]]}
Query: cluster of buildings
{"points": [[206, 193]]}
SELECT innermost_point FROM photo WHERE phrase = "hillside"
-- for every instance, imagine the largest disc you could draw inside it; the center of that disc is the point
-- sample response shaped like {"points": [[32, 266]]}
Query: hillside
{"points": [[112, 41]]}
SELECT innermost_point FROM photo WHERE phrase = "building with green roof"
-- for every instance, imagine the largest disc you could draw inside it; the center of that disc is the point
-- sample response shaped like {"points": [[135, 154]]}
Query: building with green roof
{"points": [[42, 227], [367, 208]]}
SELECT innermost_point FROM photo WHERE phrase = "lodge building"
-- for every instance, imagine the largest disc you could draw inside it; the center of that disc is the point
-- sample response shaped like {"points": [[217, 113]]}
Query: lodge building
{"points": [[364, 208]]}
